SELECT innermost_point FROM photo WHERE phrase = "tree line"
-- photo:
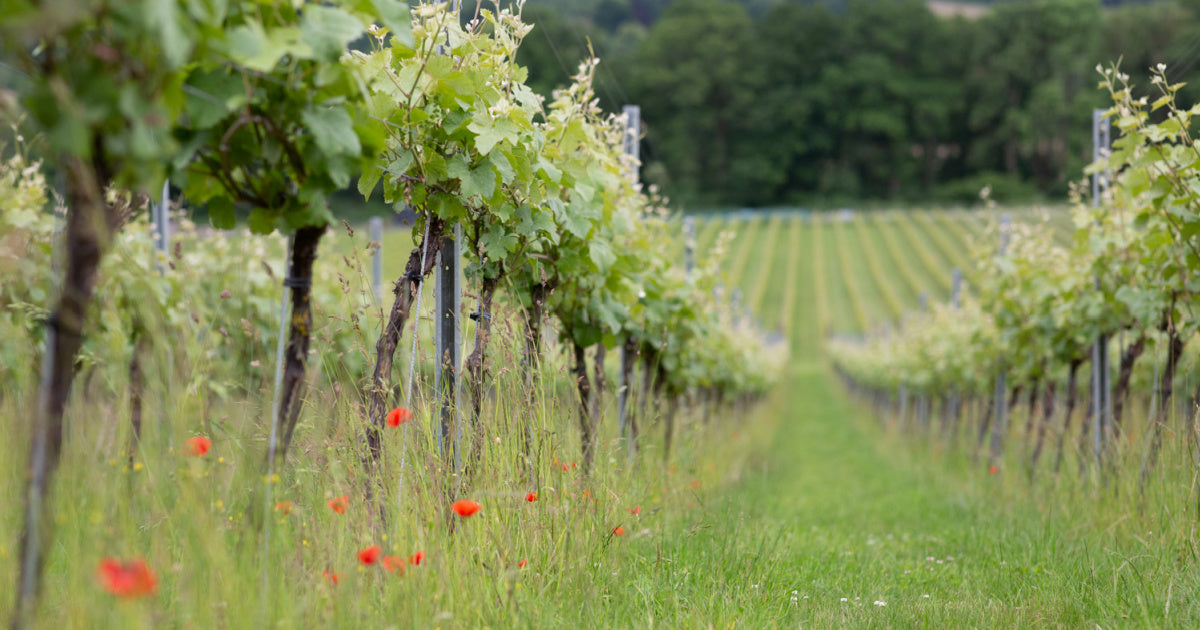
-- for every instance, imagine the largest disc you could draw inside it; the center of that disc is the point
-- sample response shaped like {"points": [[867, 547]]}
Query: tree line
{"points": [[755, 105]]}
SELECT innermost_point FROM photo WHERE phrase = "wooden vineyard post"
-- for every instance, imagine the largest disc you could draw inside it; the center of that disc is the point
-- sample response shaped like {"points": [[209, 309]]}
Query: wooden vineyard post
{"points": [[376, 235], [1000, 423], [1101, 387], [633, 123], [447, 341]]}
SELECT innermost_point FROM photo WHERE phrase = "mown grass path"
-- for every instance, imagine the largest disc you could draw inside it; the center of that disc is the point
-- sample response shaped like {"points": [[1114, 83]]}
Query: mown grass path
{"points": [[837, 525]]}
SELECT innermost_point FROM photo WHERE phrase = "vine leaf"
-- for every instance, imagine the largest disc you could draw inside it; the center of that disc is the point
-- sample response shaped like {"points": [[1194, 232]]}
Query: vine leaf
{"points": [[220, 213], [479, 181], [254, 49], [329, 30], [164, 17], [332, 130], [489, 135]]}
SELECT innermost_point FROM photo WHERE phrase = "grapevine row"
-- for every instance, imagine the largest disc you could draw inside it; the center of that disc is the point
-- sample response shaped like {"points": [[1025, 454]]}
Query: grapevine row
{"points": [[1045, 313], [267, 109]]}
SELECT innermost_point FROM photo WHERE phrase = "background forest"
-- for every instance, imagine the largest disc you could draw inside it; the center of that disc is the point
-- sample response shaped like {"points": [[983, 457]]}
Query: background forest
{"points": [[768, 102]]}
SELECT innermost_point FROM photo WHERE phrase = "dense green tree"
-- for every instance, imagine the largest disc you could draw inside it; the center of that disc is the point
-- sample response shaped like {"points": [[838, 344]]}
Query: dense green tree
{"points": [[693, 82], [762, 102], [893, 96], [789, 132], [1032, 89]]}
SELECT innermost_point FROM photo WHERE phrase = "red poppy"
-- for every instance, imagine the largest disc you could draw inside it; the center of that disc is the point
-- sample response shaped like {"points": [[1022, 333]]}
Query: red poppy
{"points": [[566, 467], [370, 555], [696, 484], [618, 531], [128, 579], [417, 558], [635, 510], [331, 576], [398, 416], [392, 564], [531, 497], [197, 446], [521, 564], [465, 508], [587, 494], [993, 469], [284, 506], [340, 504]]}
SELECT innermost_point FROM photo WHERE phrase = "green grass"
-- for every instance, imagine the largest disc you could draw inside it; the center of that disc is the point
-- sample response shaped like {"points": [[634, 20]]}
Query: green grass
{"points": [[881, 281], [919, 247], [749, 233], [835, 516], [763, 266], [902, 260], [802, 511], [789, 275], [854, 275]]}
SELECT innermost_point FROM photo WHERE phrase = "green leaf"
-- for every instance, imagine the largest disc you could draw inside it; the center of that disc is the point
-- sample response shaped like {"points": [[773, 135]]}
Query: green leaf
{"points": [[576, 225], [332, 130], [489, 135], [399, 165], [162, 15], [250, 46], [533, 222], [602, 254], [220, 213], [368, 180], [587, 334], [503, 167], [261, 221], [551, 171], [312, 211], [340, 169], [211, 95], [497, 243], [329, 30], [480, 181]]}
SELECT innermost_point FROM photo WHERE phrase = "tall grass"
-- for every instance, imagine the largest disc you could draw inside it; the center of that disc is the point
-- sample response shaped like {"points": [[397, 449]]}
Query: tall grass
{"points": [[204, 525]]}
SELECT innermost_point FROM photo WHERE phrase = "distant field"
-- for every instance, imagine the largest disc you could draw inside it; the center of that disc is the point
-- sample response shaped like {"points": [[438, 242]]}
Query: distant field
{"points": [[809, 275]]}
